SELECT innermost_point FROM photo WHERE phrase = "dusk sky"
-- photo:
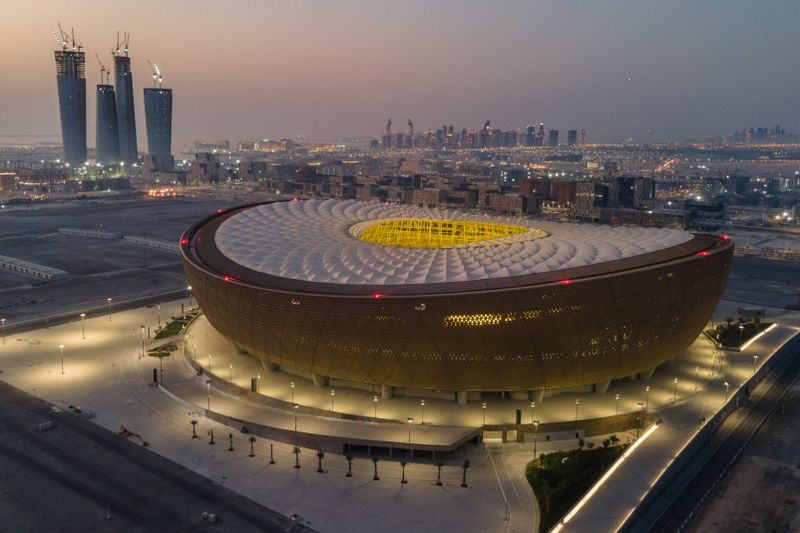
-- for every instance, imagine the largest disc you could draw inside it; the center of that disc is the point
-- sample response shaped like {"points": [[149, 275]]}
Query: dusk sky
{"points": [[243, 70]]}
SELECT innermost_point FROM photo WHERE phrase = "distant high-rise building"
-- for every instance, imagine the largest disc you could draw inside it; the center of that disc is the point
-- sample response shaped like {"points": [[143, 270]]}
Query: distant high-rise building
{"points": [[530, 135], [126, 119], [582, 140], [539, 139], [552, 138], [71, 80], [107, 133], [572, 137], [158, 120]]}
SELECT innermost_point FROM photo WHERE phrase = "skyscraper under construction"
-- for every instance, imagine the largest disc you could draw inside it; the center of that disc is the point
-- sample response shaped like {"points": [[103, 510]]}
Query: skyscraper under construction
{"points": [[158, 119], [126, 119], [107, 131], [71, 80]]}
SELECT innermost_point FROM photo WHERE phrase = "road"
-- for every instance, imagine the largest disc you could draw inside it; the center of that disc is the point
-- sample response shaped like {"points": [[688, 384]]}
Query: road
{"points": [[85, 478], [673, 506]]}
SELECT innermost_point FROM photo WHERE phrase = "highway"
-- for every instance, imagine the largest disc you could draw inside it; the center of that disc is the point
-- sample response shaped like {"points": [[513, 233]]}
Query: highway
{"points": [[672, 507]]}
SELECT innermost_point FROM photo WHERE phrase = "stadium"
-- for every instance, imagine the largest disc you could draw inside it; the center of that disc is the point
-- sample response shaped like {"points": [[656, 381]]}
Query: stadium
{"points": [[416, 299]]}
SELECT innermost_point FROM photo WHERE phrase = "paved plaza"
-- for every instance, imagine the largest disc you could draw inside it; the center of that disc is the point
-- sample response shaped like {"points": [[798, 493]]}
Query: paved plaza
{"points": [[105, 374]]}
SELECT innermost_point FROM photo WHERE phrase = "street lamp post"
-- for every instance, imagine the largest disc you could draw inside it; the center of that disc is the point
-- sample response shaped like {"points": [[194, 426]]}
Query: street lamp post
{"points": [[333, 395], [422, 409], [295, 407], [483, 406], [159, 316], [83, 325], [696, 373], [727, 386], [189, 297], [208, 390], [577, 403], [755, 361], [258, 382], [533, 411], [535, 435], [61, 347], [230, 375], [108, 300], [142, 354], [209, 363], [642, 410], [292, 386], [3, 326], [410, 421], [375, 404], [616, 404], [646, 398], [741, 330], [675, 391]]}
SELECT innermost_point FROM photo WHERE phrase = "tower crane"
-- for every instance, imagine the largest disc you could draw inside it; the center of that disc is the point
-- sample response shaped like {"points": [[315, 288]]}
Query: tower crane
{"points": [[157, 78], [104, 72]]}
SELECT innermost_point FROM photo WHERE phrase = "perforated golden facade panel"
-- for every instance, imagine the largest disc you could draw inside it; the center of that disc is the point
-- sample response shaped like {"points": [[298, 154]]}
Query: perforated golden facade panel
{"points": [[578, 326]]}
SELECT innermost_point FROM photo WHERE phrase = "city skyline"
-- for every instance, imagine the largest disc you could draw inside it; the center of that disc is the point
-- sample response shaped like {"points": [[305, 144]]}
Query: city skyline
{"points": [[618, 71]]}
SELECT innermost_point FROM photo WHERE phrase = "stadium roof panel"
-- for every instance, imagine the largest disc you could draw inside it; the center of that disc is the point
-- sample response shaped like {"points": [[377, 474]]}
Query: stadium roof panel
{"points": [[318, 241]]}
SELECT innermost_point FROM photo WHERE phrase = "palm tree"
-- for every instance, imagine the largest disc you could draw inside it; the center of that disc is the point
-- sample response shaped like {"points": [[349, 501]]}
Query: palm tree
{"points": [[728, 321], [581, 444], [349, 458], [403, 479], [320, 456], [375, 464], [252, 441], [614, 440], [439, 465], [194, 429], [296, 453], [464, 478]]}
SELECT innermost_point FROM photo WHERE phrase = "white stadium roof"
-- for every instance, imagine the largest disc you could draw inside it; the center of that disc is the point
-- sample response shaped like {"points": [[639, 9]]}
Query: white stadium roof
{"points": [[313, 240]]}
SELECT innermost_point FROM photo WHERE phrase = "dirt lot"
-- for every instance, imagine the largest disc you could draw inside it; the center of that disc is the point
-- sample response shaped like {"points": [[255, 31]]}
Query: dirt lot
{"points": [[762, 492]]}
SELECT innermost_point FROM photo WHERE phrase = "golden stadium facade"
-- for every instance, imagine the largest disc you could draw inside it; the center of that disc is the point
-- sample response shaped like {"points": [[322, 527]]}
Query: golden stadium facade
{"points": [[402, 296]]}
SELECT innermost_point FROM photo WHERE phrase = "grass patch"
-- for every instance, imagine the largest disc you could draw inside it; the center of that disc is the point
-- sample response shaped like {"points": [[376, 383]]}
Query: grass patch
{"points": [[731, 335], [172, 328], [560, 479]]}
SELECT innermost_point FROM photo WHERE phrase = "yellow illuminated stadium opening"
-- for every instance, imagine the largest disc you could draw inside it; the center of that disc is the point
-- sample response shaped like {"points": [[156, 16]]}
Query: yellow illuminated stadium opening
{"points": [[429, 233]]}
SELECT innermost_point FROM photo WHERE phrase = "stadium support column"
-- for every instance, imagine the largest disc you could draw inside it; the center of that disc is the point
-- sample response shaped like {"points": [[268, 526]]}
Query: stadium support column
{"points": [[647, 374], [319, 381], [601, 387], [462, 397], [387, 392], [537, 395], [268, 366]]}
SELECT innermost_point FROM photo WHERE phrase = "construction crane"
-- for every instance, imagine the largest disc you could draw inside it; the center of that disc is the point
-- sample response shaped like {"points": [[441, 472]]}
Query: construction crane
{"points": [[156, 74], [104, 72], [123, 45], [66, 39], [62, 38]]}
